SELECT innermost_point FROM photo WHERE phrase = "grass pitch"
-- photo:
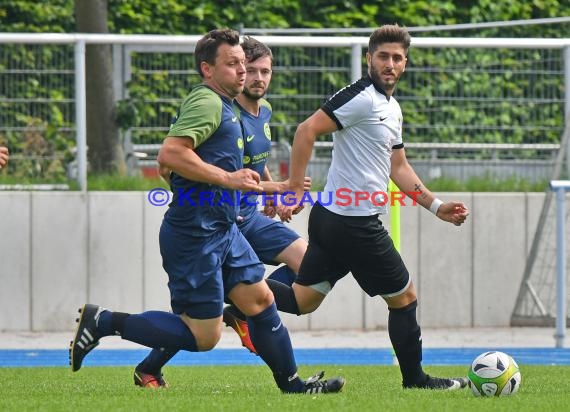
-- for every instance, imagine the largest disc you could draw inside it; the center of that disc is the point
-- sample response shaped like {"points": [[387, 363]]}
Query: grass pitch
{"points": [[251, 388]]}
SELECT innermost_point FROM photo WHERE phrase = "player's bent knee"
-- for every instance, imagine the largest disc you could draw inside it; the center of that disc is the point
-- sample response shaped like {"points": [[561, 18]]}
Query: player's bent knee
{"points": [[401, 300], [252, 299], [307, 308], [206, 332], [260, 298], [207, 341], [309, 298], [265, 298]]}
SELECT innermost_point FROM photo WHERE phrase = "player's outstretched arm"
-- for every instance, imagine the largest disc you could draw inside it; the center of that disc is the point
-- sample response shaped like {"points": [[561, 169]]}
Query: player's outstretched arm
{"points": [[317, 124], [453, 212], [408, 181], [4, 156], [271, 187], [164, 172]]}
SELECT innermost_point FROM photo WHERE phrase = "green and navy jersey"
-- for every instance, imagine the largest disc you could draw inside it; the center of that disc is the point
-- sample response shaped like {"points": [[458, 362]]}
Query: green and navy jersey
{"points": [[257, 144], [212, 122]]}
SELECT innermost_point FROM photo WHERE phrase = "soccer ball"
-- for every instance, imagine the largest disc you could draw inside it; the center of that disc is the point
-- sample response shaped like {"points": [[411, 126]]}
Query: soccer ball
{"points": [[494, 374]]}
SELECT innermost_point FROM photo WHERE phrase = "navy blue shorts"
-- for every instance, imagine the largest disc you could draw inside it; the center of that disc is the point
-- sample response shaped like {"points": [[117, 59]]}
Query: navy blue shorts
{"points": [[203, 270], [357, 244], [266, 236]]}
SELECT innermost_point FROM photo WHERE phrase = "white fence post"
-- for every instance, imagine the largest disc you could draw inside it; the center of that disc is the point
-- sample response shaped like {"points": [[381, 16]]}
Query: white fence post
{"points": [[560, 186], [81, 114]]}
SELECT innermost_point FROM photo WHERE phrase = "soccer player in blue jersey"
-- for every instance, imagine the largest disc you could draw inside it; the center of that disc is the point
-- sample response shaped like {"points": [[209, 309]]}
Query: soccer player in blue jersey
{"points": [[366, 123], [271, 240], [206, 257]]}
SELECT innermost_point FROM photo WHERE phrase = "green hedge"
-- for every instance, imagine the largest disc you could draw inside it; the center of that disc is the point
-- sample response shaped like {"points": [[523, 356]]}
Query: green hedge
{"points": [[49, 139]]}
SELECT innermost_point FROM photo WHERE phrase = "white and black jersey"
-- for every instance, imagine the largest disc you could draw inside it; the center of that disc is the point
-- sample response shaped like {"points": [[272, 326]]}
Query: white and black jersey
{"points": [[369, 127]]}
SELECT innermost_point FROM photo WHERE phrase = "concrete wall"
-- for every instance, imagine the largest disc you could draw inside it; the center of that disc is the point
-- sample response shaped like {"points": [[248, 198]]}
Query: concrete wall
{"points": [[60, 250]]}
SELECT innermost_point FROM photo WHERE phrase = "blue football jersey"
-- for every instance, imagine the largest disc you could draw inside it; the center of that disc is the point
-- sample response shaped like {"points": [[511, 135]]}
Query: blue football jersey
{"points": [[257, 144]]}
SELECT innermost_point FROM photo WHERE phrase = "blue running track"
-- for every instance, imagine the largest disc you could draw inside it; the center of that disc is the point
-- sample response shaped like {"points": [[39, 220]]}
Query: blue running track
{"points": [[344, 356]]}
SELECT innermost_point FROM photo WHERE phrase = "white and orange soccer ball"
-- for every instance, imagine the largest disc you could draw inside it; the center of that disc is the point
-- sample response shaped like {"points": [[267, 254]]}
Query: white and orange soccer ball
{"points": [[494, 374]]}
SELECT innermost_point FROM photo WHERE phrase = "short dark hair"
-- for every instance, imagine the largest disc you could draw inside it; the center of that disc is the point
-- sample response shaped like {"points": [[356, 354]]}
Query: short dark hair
{"points": [[207, 47], [389, 33], [254, 49]]}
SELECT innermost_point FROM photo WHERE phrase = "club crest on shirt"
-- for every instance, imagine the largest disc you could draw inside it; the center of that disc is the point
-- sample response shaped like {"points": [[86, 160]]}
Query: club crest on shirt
{"points": [[267, 131], [240, 143]]}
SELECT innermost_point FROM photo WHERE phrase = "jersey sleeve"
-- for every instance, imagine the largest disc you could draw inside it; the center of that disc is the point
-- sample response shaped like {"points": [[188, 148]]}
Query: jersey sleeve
{"points": [[348, 107], [199, 116], [398, 141], [266, 104]]}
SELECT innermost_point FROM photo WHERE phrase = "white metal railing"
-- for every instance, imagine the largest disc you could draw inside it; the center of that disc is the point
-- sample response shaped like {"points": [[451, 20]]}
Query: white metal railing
{"points": [[470, 146], [154, 147], [417, 29]]}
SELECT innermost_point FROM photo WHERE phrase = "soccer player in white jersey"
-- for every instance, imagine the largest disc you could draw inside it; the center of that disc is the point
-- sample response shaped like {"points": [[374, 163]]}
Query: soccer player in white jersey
{"points": [[366, 122]]}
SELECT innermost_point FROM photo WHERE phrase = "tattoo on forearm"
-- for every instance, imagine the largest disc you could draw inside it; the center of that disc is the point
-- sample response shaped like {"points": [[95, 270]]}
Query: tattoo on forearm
{"points": [[418, 188]]}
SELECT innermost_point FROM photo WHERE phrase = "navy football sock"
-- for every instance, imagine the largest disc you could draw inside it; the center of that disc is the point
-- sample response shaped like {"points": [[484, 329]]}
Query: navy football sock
{"points": [[273, 344], [155, 360], [154, 329], [283, 274], [104, 323], [406, 337]]}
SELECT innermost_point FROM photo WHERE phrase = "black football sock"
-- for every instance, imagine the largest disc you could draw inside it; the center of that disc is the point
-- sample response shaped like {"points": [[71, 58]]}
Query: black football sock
{"points": [[284, 297], [405, 334], [283, 274], [111, 323]]}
